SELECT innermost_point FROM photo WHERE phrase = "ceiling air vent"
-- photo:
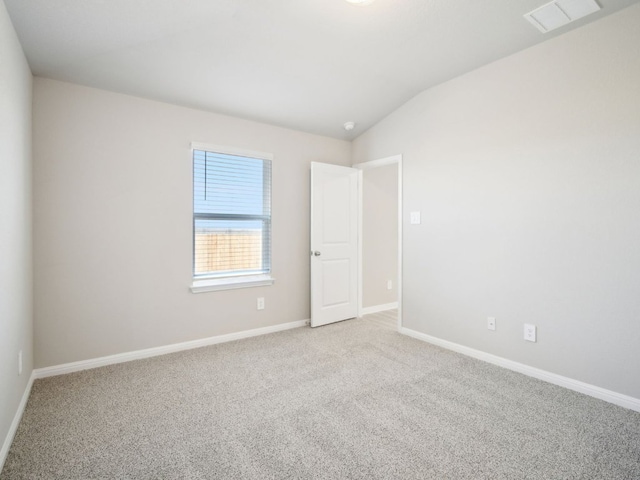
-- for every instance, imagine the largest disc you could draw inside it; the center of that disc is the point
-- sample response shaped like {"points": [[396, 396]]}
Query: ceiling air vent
{"points": [[560, 12]]}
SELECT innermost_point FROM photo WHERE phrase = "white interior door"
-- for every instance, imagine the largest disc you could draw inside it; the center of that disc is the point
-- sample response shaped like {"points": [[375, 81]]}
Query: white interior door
{"points": [[334, 243]]}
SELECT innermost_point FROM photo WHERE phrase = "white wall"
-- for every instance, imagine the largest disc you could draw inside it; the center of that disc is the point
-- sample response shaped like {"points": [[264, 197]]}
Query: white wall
{"points": [[113, 220], [15, 223], [527, 173], [379, 235]]}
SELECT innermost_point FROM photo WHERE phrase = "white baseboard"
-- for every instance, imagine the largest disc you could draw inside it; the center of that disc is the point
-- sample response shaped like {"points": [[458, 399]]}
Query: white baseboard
{"points": [[13, 428], [379, 308], [566, 382], [156, 351]]}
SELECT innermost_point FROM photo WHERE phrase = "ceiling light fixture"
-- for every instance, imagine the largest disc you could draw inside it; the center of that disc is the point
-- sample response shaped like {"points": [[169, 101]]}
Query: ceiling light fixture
{"points": [[349, 126], [360, 3]]}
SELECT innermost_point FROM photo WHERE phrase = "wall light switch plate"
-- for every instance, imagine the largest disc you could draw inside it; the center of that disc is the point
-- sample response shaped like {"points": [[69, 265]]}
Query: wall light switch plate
{"points": [[389, 284], [529, 332], [260, 303], [491, 323], [415, 218]]}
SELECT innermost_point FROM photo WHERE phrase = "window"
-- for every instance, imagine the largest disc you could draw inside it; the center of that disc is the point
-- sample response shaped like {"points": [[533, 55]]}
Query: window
{"points": [[231, 218]]}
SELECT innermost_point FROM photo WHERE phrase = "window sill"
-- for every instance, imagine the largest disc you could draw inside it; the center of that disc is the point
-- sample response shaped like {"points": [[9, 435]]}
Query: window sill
{"points": [[230, 283]]}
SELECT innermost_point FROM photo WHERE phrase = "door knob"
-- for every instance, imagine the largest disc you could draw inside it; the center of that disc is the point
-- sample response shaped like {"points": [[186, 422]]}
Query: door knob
{"points": [[316, 253]]}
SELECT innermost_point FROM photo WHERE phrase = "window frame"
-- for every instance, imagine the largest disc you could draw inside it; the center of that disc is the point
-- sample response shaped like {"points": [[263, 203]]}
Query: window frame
{"points": [[214, 282]]}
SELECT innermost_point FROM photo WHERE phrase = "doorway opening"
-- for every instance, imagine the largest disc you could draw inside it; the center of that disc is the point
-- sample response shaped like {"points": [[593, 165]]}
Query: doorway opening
{"points": [[380, 238]]}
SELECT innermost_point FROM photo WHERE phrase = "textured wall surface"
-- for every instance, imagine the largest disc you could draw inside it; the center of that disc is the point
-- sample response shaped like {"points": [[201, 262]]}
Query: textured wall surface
{"points": [[379, 235], [15, 223], [113, 220], [527, 174]]}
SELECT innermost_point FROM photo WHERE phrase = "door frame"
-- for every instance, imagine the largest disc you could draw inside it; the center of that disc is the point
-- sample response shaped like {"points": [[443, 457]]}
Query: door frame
{"points": [[394, 159]]}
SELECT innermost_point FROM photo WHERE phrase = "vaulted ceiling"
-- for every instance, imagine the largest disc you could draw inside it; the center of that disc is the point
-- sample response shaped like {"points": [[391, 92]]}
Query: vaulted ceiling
{"points": [[310, 65]]}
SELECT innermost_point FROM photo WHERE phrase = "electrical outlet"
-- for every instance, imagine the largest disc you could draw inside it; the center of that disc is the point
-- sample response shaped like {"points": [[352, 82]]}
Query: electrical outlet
{"points": [[389, 284], [260, 303], [529, 332], [20, 362], [491, 323]]}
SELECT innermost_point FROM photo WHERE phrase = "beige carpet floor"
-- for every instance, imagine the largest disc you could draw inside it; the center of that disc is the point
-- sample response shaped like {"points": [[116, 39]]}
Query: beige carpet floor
{"points": [[353, 400]]}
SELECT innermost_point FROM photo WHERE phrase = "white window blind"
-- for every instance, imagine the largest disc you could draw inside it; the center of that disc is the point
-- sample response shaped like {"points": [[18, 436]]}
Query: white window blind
{"points": [[231, 215]]}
